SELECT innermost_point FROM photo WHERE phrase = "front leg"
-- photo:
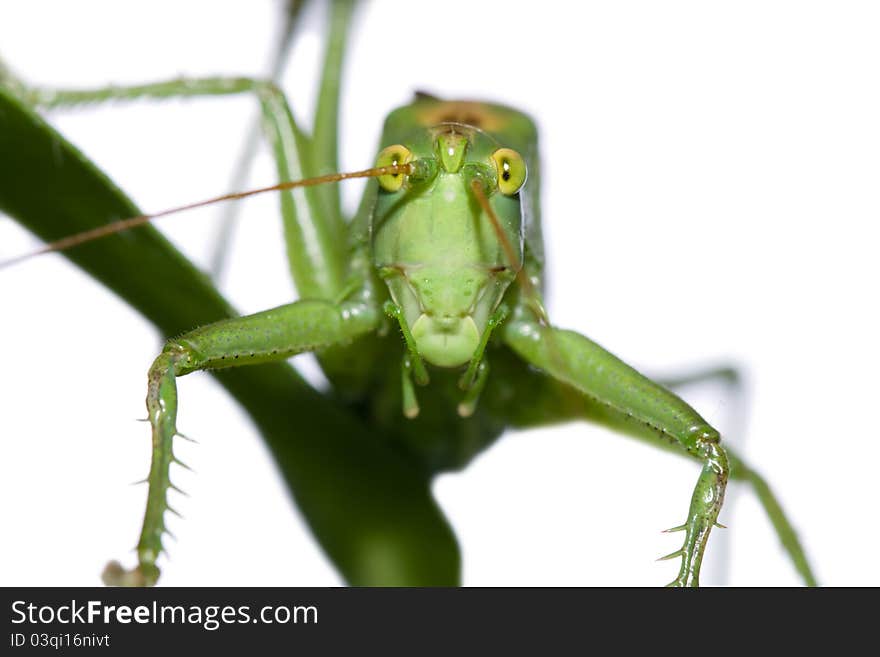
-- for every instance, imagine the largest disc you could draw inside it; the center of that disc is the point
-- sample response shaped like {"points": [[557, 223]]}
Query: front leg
{"points": [[268, 336], [577, 361]]}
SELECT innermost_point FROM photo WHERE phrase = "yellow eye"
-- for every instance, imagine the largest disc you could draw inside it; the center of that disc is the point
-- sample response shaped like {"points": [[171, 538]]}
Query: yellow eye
{"points": [[389, 156], [511, 170]]}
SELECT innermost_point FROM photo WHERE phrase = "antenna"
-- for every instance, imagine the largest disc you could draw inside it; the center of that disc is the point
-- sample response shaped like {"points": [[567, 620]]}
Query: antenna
{"points": [[133, 222]]}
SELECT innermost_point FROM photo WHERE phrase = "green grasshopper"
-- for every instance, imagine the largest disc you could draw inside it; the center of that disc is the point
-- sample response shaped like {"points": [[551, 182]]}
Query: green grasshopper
{"points": [[427, 314]]}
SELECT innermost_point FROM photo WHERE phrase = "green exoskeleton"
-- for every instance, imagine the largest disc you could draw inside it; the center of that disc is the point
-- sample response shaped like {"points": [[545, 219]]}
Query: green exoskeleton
{"points": [[425, 311], [428, 232]]}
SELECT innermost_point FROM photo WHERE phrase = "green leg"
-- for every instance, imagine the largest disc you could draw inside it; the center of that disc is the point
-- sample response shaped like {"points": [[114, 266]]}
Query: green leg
{"points": [[477, 374], [315, 231], [410, 401], [542, 400], [315, 239], [469, 377], [268, 336], [573, 359], [735, 420], [784, 529], [398, 544], [468, 404], [739, 471], [325, 136], [370, 510], [229, 213], [415, 364]]}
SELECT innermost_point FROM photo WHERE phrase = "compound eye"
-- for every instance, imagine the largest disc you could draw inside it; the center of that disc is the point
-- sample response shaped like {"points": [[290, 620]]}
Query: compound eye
{"points": [[511, 170], [388, 157]]}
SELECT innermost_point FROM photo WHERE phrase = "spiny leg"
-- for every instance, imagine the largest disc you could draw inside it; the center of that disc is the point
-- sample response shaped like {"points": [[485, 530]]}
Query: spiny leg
{"points": [[268, 336], [739, 471], [162, 415], [735, 420], [370, 510], [577, 361], [541, 400]]}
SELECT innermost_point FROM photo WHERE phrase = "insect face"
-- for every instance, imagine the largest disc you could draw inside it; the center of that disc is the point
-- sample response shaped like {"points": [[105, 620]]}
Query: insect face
{"points": [[443, 260]]}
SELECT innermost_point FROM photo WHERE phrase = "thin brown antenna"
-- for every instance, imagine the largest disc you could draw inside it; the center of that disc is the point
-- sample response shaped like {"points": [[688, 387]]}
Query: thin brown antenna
{"points": [[133, 222], [532, 298], [512, 257]]}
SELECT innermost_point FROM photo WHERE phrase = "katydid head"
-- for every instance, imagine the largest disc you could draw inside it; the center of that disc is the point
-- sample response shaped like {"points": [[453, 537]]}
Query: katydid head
{"points": [[448, 236]]}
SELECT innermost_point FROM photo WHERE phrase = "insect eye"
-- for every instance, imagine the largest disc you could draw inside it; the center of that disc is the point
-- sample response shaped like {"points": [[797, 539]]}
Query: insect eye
{"points": [[389, 156], [511, 170]]}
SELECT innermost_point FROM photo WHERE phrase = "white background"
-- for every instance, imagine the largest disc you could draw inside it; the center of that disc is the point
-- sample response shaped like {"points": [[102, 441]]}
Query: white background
{"points": [[711, 195]]}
